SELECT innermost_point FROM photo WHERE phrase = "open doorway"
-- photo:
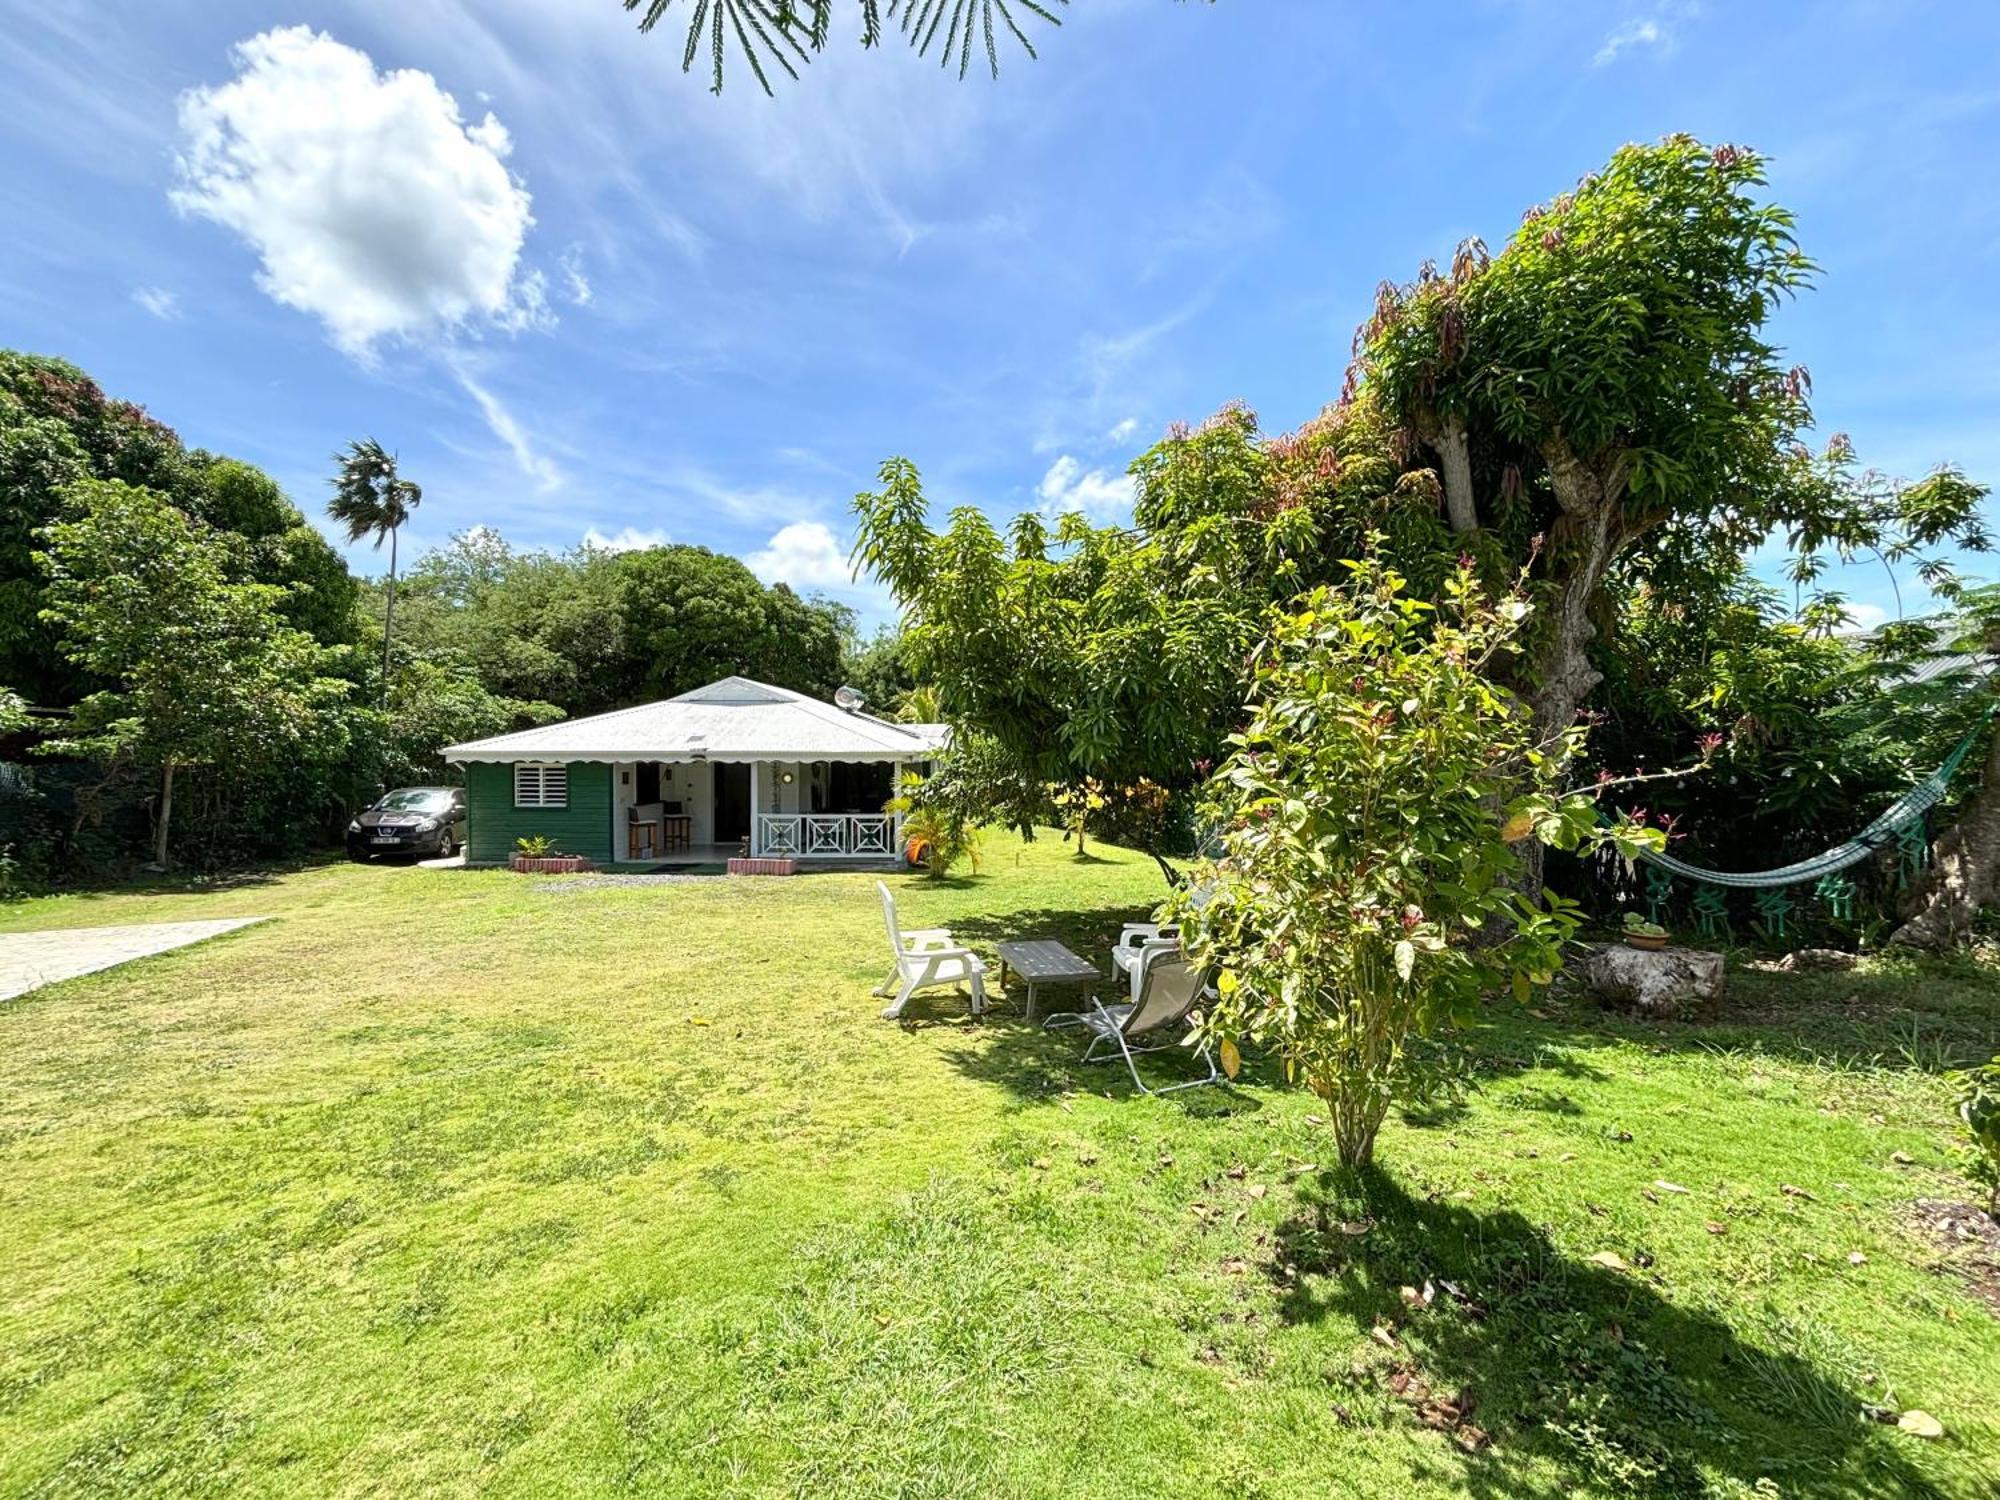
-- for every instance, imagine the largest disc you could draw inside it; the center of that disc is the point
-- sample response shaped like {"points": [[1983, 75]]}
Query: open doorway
{"points": [[732, 803]]}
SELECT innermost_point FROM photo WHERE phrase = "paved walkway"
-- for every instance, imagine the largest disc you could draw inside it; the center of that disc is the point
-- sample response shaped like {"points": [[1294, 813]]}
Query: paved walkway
{"points": [[29, 960]]}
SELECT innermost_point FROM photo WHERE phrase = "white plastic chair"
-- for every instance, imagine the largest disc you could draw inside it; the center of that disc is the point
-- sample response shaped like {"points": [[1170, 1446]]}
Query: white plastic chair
{"points": [[927, 959]]}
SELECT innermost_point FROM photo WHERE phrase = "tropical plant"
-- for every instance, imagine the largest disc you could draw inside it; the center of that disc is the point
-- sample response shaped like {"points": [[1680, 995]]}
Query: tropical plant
{"points": [[936, 835], [1979, 1111], [370, 499], [535, 846], [1637, 926], [1363, 897], [786, 33]]}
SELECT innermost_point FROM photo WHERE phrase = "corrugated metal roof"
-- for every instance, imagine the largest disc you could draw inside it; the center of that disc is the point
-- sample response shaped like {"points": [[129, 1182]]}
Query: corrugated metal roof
{"points": [[731, 720]]}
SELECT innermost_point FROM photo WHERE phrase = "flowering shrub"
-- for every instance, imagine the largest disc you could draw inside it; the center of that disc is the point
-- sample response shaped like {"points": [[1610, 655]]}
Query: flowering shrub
{"points": [[1365, 893]]}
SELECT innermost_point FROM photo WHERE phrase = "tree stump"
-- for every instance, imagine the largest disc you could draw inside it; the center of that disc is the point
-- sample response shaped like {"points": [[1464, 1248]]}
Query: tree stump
{"points": [[1668, 984]]}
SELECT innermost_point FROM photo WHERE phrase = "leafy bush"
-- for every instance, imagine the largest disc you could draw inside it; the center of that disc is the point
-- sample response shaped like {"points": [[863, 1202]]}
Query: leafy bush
{"points": [[1979, 1109], [1367, 894], [535, 846]]}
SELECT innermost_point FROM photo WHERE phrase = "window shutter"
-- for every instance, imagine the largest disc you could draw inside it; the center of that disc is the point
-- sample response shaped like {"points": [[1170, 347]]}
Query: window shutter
{"points": [[540, 785]]}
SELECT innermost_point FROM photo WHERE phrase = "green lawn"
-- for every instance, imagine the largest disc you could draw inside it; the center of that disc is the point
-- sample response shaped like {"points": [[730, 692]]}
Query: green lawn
{"points": [[443, 1184]]}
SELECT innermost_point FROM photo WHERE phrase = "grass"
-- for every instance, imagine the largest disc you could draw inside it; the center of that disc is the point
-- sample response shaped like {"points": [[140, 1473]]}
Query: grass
{"points": [[442, 1183]]}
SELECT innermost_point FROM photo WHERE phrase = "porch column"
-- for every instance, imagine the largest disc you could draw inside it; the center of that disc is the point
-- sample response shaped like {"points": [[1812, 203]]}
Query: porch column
{"points": [[756, 807], [896, 827]]}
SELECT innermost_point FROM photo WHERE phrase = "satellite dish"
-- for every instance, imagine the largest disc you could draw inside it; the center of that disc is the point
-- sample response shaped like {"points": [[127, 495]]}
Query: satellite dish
{"points": [[847, 698]]}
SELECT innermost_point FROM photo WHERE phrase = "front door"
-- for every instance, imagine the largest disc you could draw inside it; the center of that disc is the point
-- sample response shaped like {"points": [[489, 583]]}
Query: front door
{"points": [[732, 803]]}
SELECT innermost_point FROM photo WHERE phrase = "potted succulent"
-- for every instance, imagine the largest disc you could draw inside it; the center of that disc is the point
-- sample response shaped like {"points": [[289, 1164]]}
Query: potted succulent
{"points": [[538, 855], [1648, 937]]}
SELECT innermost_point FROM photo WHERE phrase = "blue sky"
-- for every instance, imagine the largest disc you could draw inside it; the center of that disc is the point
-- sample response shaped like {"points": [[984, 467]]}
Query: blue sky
{"points": [[582, 296]]}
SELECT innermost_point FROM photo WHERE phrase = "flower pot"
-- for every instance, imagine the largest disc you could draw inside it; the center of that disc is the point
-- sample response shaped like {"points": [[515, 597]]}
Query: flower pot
{"points": [[1645, 943]]}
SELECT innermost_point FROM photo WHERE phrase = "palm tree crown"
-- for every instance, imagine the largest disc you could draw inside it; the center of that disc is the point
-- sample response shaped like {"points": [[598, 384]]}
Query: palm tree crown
{"points": [[369, 497]]}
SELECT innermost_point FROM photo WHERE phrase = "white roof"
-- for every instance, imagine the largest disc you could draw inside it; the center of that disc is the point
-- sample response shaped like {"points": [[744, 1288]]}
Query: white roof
{"points": [[731, 720]]}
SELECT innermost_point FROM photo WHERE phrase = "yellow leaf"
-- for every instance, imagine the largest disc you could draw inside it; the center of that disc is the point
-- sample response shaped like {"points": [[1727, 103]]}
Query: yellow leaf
{"points": [[1611, 1260], [1225, 982], [1231, 1058], [698, 1021], [1520, 986], [1919, 1423], [1517, 827]]}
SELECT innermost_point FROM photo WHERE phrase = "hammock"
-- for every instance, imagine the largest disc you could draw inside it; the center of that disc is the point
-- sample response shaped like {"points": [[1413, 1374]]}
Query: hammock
{"points": [[1905, 812]]}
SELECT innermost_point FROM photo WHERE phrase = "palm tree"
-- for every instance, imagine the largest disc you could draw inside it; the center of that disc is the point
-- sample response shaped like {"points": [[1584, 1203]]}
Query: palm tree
{"points": [[787, 32], [371, 499]]}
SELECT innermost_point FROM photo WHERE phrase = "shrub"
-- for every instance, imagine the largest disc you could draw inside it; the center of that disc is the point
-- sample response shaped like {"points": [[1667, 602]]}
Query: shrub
{"points": [[936, 835], [535, 846], [1979, 1109], [1366, 893]]}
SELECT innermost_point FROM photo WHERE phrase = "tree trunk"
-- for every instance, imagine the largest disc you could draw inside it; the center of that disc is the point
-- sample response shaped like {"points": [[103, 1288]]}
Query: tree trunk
{"points": [[1357, 1119], [1583, 545], [166, 814], [1965, 862], [389, 617], [1455, 451]]}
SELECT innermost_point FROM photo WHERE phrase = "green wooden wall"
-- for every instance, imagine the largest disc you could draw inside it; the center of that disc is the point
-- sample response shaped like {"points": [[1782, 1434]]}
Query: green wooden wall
{"points": [[493, 822]]}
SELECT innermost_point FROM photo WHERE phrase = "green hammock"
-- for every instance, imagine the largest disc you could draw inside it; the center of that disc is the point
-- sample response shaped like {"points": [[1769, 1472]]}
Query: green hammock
{"points": [[1906, 812]]}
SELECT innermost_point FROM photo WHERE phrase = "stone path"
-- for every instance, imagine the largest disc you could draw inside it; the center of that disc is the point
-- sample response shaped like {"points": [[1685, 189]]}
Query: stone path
{"points": [[29, 960]]}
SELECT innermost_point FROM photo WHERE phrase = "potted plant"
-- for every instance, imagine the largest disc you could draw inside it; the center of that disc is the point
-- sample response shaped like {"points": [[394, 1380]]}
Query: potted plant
{"points": [[537, 855], [1648, 937]]}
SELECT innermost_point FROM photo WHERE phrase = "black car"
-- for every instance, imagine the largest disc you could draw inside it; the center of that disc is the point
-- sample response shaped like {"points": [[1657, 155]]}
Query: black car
{"points": [[427, 820]]}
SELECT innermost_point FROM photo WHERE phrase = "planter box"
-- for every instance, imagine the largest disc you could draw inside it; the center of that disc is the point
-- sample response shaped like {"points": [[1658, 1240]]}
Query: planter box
{"points": [[552, 864], [783, 866]]}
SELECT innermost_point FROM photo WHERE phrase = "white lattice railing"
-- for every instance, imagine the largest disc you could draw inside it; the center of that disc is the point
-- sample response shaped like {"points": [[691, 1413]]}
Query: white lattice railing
{"points": [[826, 835]]}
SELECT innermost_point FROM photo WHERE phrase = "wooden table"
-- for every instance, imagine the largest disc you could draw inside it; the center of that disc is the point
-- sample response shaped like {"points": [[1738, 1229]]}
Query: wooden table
{"points": [[1044, 961]]}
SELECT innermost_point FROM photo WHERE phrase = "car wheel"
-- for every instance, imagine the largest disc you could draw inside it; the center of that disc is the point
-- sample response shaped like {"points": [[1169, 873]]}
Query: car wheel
{"points": [[446, 847]]}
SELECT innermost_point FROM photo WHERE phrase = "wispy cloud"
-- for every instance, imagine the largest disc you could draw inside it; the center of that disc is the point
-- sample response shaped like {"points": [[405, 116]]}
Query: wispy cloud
{"points": [[1632, 35], [161, 303], [510, 432]]}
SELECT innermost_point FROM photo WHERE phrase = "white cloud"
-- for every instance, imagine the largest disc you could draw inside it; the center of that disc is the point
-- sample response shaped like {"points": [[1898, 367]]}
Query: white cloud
{"points": [[373, 205], [1632, 35], [1099, 495], [161, 303], [626, 539], [1862, 618], [806, 555], [1122, 431]]}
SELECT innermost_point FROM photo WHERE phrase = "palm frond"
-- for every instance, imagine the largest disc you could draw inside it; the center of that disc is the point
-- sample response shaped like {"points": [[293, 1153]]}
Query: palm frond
{"points": [[788, 32]]}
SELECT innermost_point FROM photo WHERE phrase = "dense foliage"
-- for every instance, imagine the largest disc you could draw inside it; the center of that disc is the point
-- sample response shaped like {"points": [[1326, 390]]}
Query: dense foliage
{"points": [[1365, 896], [1599, 406], [200, 671]]}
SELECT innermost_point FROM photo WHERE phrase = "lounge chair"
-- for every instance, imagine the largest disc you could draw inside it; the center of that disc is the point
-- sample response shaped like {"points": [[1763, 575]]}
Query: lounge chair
{"points": [[1167, 987], [927, 959]]}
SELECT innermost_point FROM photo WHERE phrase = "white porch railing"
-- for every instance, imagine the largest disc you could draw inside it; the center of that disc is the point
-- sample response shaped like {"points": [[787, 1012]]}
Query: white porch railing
{"points": [[826, 835]]}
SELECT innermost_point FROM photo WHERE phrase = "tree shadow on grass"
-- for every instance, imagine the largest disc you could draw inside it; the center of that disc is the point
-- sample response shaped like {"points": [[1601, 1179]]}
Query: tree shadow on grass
{"points": [[1584, 1367]]}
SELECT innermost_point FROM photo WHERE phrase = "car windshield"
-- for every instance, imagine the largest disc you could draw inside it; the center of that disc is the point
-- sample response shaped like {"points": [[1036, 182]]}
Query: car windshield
{"points": [[415, 799]]}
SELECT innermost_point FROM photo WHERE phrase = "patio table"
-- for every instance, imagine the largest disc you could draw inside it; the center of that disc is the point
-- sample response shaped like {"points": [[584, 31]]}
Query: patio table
{"points": [[1042, 961]]}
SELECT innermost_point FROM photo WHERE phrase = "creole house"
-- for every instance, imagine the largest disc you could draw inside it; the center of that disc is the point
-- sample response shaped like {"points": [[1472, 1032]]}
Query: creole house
{"points": [[732, 769]]}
